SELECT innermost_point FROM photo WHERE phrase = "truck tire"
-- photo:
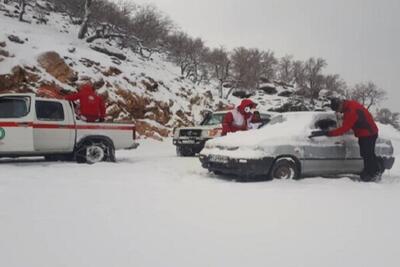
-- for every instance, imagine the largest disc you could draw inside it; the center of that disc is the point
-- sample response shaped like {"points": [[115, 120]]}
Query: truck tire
{"points": [[183, 151], [285, 168], [93, 151]]}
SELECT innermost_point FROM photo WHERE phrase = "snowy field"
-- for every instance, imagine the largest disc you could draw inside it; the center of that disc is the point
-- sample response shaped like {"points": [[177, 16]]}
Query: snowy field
{"points": [[155, 209]]}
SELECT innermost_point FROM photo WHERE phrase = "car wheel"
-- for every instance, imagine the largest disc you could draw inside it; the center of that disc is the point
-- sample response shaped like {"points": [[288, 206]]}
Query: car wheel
{"points": [[92, 151], [284, 168]]}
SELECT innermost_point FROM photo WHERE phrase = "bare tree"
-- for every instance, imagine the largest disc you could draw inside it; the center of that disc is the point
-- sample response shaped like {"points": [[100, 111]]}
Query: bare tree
{"points": [[85, 23], [247, 67], [335, 83], [219, 62], [268, 65], [285, 70], [151, 25], [367, 94], [311, 79], [22, 5], [188, 53], [385, 116]]}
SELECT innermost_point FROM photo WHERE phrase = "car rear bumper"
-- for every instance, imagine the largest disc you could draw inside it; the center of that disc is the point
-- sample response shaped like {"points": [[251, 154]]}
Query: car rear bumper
{"points": [[388, 162], [245, 168]]}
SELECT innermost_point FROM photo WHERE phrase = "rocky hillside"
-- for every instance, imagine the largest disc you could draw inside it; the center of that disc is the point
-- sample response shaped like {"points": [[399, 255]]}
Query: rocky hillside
{"points": [[148, 91]]}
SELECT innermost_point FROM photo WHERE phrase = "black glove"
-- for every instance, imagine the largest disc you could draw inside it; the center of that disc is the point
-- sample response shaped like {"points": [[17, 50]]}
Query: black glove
{"points": [[318, 133]]}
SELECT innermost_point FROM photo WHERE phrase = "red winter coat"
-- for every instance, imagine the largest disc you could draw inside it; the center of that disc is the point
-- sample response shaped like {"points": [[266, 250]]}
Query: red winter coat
{"points": [[230, 126], [91, 105], [358, 118]]}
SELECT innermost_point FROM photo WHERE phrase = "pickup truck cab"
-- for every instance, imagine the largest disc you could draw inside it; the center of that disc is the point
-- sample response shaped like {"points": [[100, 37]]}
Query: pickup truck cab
{"points": [[34, 126], [190, 140]]}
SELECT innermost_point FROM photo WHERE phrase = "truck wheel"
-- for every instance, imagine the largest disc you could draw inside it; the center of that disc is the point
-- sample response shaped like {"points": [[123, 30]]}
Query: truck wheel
{"points": [[92, 151], [284, 168], [183, 151]]}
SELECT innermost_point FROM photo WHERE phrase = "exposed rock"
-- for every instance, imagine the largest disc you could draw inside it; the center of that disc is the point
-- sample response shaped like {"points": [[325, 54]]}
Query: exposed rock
{"points": [[133, 104], [270, 90], [4, 53], [19, 80], [143, 128], [112, 71], [72, 50], [3, 44], [108, 52], [150, 85], [133, 83], [88, 63], [159, 112], [196, 100], [242, 94], [285, 93], [15, 39], [56, 67], [185, 120]]}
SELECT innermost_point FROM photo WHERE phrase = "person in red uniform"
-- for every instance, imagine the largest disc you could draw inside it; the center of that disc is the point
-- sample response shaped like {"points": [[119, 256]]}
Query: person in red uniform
{"points": [[357, 118], [92, 107], [238, 119]]}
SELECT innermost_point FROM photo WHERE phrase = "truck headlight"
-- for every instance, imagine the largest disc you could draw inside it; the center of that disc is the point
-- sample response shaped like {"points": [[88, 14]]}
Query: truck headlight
{"points": [[214, 132]]}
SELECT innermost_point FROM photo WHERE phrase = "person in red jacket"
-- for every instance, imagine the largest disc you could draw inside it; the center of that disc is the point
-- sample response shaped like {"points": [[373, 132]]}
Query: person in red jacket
{"points": [[357, 118], [239, 118], [92, 107]]}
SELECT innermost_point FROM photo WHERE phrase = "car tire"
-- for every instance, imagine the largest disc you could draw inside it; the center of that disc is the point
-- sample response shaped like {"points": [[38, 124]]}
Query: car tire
{"points": [[94, 151], [285, 168]]}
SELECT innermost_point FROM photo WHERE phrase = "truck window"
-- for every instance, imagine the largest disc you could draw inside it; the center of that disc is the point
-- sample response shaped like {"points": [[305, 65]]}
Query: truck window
{"points": [[49, 111], [214, 119], [14, 107]]}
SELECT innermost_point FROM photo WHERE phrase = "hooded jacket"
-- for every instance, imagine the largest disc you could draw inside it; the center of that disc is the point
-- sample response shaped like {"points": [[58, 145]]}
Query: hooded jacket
{"points": [[91, 105], [238, 119], [357, 118]]}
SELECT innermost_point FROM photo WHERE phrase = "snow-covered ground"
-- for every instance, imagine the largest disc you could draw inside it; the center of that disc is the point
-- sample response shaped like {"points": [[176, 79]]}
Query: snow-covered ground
{"points": [[155, 209]]}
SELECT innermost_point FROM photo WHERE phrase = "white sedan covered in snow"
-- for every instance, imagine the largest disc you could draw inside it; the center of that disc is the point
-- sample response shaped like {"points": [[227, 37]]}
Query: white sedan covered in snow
{"points": [[282, 149]]}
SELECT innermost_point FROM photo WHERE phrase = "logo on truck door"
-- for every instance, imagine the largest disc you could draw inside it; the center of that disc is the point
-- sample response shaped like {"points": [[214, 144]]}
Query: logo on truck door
{"points": [[2, 133]]}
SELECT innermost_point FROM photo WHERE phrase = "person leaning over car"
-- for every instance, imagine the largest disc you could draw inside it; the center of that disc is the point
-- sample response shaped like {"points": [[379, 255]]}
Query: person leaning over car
{"points": [[92, 107], [360, 120], [238, 119]]}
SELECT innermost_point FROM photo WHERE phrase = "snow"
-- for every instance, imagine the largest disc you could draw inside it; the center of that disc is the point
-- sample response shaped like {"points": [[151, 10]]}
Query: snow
{"points": [[155, 209]]}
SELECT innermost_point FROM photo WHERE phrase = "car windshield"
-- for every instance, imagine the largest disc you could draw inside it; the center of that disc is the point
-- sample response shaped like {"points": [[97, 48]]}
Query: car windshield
{"points": [[214, 119], [275, 120]]}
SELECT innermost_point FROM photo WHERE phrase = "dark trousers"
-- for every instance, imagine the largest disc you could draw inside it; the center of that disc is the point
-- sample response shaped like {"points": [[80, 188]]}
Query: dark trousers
{"points": [[367, 152]]}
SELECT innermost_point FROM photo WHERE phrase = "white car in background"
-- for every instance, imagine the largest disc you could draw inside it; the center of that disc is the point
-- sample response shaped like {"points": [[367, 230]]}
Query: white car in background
{"points": [[34, 126], [282, 149]]}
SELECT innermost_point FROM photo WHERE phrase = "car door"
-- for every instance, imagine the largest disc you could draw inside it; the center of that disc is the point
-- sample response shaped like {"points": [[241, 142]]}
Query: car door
{"points": [[354, 162], [324, 155], [16, 116], [54, 130]]}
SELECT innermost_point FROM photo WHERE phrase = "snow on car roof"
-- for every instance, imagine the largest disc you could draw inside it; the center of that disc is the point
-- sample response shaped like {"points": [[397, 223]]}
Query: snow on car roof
{"points": [[284, 128]]}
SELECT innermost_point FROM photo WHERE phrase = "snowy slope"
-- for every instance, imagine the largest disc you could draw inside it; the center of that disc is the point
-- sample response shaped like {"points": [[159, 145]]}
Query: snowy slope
{"points": [[155, 209], [179, 101]]}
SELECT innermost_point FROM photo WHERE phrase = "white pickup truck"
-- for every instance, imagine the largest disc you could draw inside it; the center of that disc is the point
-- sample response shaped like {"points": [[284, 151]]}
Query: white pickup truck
{"points": [[34, 126]]}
